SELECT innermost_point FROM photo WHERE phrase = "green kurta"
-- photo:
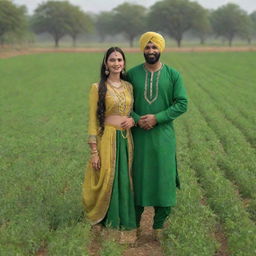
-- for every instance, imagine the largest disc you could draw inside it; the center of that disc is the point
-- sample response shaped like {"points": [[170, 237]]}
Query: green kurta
{"points": [[155, 173]]}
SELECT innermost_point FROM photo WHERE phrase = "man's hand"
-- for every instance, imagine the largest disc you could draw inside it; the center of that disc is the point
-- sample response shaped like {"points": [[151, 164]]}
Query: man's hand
{"points": [[147, 122], [128, 123]]}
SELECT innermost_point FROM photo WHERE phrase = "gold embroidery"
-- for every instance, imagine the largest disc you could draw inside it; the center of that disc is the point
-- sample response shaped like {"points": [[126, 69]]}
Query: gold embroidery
{"points": [[92, 139], [130, 156], [119, 101], [97, 187], [151, 99]]}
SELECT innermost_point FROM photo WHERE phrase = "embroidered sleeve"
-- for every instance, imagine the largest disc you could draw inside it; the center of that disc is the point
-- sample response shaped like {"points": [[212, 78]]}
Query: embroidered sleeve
{"points": [[93, 122]]}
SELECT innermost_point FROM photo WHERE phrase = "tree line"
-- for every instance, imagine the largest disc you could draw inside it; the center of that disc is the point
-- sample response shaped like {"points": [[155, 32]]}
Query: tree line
{"points": [[171, 17]]}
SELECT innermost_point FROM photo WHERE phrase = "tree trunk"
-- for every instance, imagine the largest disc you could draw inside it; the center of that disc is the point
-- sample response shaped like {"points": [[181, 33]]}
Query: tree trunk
{"points": [[230, 39], [178, 39], [202, 41], [178, 42], [56, 37], [2, 42], [102, 38], [56, 42], [131, 41], [74, 40]]}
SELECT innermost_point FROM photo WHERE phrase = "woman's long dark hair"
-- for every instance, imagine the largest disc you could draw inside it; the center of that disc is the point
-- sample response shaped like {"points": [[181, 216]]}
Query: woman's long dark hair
{"points": [[103, 88]]}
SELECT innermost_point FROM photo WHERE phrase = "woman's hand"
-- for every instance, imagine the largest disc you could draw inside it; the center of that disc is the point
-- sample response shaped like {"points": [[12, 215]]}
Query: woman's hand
{"points": [[95, 160], [128, 123]]}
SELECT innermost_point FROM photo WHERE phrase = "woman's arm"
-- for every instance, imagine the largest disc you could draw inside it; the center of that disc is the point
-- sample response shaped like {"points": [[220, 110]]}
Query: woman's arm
{"points": [[93, 126]]}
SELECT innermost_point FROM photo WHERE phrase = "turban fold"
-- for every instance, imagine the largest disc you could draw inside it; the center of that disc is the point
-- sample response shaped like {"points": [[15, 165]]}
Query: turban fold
{"points": [[155, 38]]}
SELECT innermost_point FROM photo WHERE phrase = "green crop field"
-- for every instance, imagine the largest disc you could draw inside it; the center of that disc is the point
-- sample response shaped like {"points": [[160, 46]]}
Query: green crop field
{"points": [[43, 153]]}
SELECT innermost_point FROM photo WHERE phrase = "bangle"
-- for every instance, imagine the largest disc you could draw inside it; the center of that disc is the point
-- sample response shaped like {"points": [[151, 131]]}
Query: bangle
{"points": [[94, 152], [134, 123]]}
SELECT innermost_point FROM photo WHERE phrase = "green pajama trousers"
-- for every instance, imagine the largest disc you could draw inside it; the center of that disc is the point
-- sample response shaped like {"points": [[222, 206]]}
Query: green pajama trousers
{"points": [[121, 213], [161, 214]]}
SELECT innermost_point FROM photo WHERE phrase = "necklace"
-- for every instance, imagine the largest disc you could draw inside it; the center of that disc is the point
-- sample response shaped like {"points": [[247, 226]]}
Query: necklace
{"points": [[120, 98], [149, 95], [115, 84]]}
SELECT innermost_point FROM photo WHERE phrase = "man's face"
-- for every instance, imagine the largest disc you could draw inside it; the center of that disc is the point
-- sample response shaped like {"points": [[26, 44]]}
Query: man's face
{"points": [[151, 53]]}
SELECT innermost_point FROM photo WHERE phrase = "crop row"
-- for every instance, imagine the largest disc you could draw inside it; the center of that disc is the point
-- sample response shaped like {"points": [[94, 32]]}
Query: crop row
{"points": [[237, 68], [221, 89], [192, 223], [237, 156], [242, 123], [219, 95], [239, 95], [42, 158], [40, 205], [221, 194]]}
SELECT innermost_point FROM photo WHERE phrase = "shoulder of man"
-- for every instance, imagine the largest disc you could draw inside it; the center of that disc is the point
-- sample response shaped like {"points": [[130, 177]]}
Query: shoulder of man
{"points": [[174, 74], [131, 73], [134, 69]]}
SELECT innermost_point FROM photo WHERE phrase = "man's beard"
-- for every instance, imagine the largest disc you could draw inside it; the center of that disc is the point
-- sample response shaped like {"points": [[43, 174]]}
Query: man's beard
{"points": [[152, 59]]}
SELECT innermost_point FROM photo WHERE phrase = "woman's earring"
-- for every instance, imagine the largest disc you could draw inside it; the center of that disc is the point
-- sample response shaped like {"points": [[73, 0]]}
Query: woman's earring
{"points": [[123, 72], [106, 72]]}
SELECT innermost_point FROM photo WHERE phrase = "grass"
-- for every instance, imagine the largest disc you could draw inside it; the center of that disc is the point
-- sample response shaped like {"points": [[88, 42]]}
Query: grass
{"points": [[43, 153], [43, 148]]}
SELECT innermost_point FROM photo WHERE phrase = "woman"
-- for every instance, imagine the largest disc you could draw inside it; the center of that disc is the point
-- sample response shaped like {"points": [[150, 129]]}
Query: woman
{"points": [[108, 190]]}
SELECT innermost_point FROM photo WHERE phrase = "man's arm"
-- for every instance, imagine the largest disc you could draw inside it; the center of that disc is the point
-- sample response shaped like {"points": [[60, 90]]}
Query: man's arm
{"points": [[147, 122], [133, 114], [180, 103]]}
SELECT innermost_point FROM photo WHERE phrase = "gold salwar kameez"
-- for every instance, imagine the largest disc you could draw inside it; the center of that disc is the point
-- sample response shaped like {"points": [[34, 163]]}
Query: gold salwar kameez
{"points": [[98, 184]]}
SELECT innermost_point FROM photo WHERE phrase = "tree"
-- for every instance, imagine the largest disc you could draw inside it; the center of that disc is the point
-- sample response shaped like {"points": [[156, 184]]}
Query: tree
{"points": [[78, 22], [253, 19], [12, 19], [51, 17], [246, 31], [60, 19], [229, 21], [174, 17], [201, 26], [129, 19], [104, 24]]}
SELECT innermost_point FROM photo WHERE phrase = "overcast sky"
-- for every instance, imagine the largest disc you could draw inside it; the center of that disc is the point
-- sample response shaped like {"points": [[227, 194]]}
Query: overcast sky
{"points": [[107, 5]]}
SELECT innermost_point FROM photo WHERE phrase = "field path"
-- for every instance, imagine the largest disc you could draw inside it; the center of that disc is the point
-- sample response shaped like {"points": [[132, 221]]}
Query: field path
{"points": [[145, 245], [12, 52]]}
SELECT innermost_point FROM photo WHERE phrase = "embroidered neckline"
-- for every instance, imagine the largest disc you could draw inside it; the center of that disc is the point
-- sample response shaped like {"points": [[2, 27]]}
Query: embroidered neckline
{"points": [[120, 98], [151, 98]]}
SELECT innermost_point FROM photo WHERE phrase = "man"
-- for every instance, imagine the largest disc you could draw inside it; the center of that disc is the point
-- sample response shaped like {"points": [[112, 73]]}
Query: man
{"points": [[159, 98]]}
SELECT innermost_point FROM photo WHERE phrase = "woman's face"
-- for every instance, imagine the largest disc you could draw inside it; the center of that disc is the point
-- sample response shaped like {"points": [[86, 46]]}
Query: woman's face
{"points": [[115, 62]]}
